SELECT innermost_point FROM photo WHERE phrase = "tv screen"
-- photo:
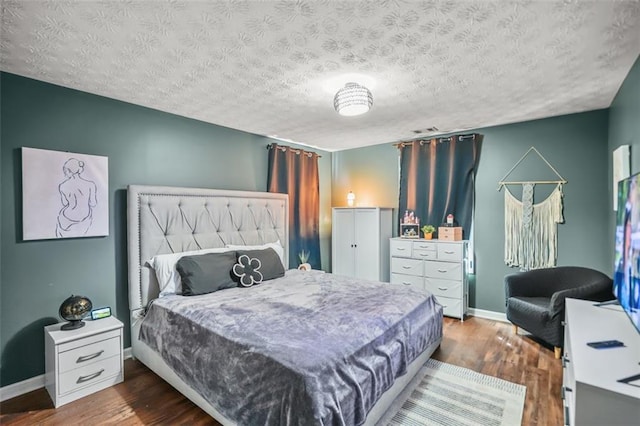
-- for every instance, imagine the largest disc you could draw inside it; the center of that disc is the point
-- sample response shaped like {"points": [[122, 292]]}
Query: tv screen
{"points": [[626, 280]]}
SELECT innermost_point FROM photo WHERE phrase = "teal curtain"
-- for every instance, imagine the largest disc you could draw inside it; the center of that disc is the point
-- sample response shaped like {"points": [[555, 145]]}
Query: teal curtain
{"points": [[295, 172], [437, 178]]}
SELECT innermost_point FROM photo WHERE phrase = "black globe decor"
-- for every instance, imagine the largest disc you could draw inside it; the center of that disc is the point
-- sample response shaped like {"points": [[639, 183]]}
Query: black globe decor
{"points": [[73, 309]]}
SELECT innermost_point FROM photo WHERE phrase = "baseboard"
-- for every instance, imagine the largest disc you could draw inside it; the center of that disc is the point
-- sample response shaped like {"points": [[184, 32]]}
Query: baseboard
{"points": [[20, 388], [481, 313], [35, 383]]}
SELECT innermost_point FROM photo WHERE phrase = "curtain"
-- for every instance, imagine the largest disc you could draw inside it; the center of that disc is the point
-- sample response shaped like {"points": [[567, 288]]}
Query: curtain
{"points": [[295, 172], [437, 178]]}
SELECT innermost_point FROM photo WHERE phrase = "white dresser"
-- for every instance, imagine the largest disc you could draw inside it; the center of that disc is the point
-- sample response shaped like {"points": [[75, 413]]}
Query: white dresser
{"points": [[591, 390], [438, 266], [82, 361]]}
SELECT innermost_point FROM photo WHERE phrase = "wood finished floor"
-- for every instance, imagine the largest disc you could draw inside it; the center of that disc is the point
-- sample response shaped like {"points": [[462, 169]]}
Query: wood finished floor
{"points": [[485, 346]]}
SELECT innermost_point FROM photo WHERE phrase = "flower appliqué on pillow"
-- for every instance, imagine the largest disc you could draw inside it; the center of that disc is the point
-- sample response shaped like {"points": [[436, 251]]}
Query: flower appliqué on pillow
{"points": [[247, 270]]}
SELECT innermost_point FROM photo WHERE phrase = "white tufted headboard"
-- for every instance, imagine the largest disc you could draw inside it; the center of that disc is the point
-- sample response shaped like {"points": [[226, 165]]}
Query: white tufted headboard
{"points": [[163, 219]]}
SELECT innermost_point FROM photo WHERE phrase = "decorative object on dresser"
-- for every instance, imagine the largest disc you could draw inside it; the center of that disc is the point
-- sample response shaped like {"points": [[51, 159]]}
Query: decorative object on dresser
{"points": [[359, 242], [428, 231], [450, 233], [74, 309], [82, 361], [594, 389], [410, 225], [535, 299], [438, 266]]}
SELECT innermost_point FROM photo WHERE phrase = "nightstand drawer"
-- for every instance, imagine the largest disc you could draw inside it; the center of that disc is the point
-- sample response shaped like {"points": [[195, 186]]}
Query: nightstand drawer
{"points": [[89, 375], [412, 281], [406, 266], [400, 248], [85, 355], [451, 252], [443, 270], [447, 288]]}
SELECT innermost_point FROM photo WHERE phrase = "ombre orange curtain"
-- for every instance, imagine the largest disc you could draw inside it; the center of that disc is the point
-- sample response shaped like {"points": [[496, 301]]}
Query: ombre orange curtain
{"points": [[437, 178], [295, 172]]}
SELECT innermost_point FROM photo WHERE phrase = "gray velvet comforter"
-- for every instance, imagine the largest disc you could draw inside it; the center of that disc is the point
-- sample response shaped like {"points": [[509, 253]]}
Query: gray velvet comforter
{"points": [[308, 348]]}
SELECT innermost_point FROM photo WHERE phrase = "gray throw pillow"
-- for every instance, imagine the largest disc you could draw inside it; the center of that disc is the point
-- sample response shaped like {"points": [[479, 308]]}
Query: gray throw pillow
{"points": [[257, 266], [206, 273]]}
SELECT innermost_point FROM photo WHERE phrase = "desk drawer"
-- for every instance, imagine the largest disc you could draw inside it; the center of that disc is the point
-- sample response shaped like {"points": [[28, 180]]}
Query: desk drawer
{"points": [[443, 270], [400, 248], [89, 375], [446, 288], [412, 281], [85, 355]]}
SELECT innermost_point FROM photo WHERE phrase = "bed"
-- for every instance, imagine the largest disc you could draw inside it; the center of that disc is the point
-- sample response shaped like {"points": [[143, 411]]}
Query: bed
{"points": [[280, 378]]}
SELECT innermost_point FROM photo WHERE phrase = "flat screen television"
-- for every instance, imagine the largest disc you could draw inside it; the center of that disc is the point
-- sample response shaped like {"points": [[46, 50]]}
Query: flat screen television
{"points": [[626, 280]]}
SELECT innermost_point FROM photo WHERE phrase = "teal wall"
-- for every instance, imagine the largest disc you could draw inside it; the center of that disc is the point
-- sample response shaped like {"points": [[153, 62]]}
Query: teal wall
{"points": [[576, 145], [624, 129], [144, 146]]}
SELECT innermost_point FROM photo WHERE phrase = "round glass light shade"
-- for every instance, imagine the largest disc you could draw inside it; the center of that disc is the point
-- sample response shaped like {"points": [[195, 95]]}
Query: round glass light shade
{"points": [[353, 99], [73, 309]]}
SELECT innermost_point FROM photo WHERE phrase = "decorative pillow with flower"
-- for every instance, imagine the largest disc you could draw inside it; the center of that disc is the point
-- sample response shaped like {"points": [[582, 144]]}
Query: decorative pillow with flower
{"points": [[247, 270]]}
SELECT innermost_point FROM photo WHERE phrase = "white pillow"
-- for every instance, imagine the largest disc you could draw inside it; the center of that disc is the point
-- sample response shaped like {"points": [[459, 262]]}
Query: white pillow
{"points": [[168, 277], [277, 246]]}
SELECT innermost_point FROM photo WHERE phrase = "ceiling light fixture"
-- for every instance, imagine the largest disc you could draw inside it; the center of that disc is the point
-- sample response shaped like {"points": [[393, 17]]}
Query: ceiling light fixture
{"points": [[353, 99]]}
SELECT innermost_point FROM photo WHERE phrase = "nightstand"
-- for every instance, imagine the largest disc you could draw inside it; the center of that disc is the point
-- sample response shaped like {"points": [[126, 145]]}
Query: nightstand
{"points": [[82, 361]]}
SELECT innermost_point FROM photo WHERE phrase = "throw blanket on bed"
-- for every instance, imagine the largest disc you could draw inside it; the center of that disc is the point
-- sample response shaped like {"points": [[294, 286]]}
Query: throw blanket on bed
{"points": [[308, 348]]}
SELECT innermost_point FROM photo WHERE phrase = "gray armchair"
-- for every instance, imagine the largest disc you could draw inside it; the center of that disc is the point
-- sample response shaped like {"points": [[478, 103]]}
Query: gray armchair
{"points": [[535, 299]]}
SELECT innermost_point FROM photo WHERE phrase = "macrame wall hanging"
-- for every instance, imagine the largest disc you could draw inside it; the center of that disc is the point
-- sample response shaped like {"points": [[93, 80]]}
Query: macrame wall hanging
{"points": [[531, 230]]}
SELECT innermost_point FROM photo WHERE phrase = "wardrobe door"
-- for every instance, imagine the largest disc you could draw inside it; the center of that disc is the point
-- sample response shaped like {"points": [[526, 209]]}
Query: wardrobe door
{"points": [[367, 244], [343, 242]]}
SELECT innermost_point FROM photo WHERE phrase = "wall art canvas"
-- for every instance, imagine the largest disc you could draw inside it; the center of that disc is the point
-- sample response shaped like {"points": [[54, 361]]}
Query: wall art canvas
{"points": [[64, 195]]}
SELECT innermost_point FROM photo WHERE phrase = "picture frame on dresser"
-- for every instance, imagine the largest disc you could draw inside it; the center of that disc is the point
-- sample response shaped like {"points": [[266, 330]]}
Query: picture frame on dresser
{"points": [[435, 265]]}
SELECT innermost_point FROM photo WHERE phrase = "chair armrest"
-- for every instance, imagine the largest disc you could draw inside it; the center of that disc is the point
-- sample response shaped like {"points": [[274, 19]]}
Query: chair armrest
{"points": [[585, 292]]}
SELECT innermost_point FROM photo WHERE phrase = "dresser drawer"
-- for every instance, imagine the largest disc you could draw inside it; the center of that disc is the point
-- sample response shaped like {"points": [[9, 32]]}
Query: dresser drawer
{"points": [[89, 375], [400, 248], [453, 252], [85, 355], [443, 270], [406, 266], [412, 281], [446, 288], [424, 245], [450, 307], [424, 254]]}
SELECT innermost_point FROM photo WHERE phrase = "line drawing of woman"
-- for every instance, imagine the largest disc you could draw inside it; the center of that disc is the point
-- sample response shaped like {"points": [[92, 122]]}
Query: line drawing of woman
{"points": [[79, 197]]}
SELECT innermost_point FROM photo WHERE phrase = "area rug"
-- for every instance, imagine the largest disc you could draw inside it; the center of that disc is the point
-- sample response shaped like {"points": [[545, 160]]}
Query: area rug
{"points": [[451, 395]]}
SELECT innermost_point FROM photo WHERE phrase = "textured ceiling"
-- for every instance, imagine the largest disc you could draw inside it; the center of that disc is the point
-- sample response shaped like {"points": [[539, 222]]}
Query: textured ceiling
{"points": [[272, 67]]}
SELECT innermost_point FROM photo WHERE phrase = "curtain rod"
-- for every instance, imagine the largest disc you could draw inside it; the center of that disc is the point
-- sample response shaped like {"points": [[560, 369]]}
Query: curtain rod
{"points": [[438, 140], [284, 148]]}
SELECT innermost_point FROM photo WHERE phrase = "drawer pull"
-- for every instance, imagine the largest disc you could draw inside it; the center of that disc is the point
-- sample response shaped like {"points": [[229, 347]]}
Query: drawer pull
{"points": [[443, 288], [424, 254], [449, 252], [83, 379], [406, 283], [442, 270], [400, 248], [406, 267], [88, 357]]}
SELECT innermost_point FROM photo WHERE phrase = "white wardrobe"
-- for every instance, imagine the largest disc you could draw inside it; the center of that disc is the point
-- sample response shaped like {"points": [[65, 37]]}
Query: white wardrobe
{"points": [[360, 242]]}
